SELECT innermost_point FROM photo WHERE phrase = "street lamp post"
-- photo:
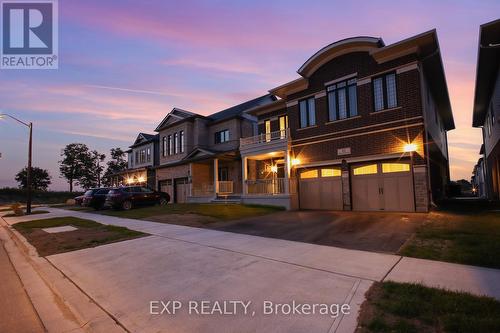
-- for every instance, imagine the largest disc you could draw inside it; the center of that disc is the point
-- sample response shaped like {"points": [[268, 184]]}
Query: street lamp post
{"points": [[28, 173]]}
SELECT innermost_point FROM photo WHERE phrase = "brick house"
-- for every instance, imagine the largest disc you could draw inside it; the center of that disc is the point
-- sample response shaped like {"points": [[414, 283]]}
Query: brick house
{"points": [[363, 128], [143, 156], [199, 159], [486, 113]]}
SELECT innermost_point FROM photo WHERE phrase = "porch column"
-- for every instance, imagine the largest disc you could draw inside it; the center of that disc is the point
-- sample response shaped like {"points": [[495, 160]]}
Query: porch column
{"points": [[216, 176], [287, 173], [244, 174]]}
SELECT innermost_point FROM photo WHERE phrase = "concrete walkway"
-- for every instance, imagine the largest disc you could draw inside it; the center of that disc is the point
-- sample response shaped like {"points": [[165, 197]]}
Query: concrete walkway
{"points": [[185, 263]]}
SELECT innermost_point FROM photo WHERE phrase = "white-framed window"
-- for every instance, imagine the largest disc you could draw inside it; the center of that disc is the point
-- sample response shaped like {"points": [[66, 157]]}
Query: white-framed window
{"points": [[307, 112], [169, 145], [176, 143], [221, 136], [267, 125], [342, 100], [181, 141], [385, 92], [148, 154], [164, 146]]}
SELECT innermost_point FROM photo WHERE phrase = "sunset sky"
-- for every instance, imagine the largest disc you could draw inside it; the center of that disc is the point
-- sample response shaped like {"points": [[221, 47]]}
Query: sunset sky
{"points": [[124, 64]]}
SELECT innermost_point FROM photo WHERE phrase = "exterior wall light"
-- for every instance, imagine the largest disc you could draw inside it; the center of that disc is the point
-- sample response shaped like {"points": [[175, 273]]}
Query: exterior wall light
{"points": [[409, 147], [141, 179], [295, 161], [274, 168]]}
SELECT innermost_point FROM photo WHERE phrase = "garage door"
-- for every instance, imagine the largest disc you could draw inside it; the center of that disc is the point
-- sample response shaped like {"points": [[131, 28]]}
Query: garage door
{"points": [[166, 186], [181, 187], [384, 186], [321, 189]]}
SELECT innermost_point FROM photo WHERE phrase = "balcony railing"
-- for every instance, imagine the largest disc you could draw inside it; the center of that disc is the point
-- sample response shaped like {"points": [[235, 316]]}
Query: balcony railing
{"points": [[225, 187], [265, 137], [266, 186]]}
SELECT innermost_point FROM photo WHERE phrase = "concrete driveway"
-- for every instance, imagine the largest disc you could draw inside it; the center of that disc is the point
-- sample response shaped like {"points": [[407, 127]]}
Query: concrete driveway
{"points": [[379, 232]]}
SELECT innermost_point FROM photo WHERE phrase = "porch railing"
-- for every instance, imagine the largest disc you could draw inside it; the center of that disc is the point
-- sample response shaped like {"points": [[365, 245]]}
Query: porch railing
{"points": [[265, 137], [266, 186], [225, 187]]}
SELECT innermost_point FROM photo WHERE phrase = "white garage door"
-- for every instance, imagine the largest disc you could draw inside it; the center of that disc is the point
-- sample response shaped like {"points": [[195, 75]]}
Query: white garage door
{"points": [[382, 186], [321, 189]]}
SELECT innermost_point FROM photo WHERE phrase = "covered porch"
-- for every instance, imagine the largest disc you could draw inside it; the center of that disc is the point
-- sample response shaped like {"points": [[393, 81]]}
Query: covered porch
{"points": [[266, 179], [216, 177]]}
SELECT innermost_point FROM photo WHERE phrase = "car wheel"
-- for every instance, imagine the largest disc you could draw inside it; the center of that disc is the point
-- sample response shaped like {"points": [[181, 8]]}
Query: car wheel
{"points": [[127, 205], [163, 201]]}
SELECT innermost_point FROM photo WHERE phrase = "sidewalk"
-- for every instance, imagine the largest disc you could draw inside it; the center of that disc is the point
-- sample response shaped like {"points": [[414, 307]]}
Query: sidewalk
{"points": [[351, 263], [17, 314]]}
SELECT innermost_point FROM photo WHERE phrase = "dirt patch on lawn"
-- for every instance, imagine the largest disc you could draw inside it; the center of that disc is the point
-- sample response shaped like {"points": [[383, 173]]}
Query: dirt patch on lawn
{"points": [[189, 220]]}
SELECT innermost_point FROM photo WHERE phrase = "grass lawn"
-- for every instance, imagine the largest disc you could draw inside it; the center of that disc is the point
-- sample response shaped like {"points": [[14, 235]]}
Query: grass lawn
{"points": [[472, 239], [218, 211], [88, 234], [407, 308]]}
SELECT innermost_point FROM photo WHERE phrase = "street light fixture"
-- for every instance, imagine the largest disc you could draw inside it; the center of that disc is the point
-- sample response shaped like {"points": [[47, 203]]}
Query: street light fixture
{"points": [[28, 181]]}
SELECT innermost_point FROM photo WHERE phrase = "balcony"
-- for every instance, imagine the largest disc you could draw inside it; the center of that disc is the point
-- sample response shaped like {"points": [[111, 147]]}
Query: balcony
{"points": [[277, 140]]}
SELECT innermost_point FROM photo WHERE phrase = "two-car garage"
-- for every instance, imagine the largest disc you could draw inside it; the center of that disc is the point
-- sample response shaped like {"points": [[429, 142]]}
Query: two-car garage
{"points": [[379, 186]]}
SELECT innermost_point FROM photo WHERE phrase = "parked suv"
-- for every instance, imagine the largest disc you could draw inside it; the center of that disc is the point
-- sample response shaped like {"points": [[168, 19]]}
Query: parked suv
{"points": [[95, 198], [130, 196]]}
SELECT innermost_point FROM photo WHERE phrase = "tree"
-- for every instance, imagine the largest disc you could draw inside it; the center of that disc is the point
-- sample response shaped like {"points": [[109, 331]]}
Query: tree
{"points": [[116, 164], [75, 163], [40, 178], [92, 171]]}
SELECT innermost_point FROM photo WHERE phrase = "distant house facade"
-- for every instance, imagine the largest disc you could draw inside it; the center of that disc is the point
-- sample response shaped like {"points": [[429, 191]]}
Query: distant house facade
{"points": [[199, 155], [478, 177], [142, 157], [486, 114], [363, 128]]}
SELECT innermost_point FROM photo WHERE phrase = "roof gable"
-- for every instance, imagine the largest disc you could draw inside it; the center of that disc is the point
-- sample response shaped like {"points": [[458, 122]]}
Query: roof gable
{"points": [[174, 116]]}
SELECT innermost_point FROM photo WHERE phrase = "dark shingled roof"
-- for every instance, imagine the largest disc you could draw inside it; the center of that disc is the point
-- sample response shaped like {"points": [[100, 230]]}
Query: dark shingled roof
{"points": [[240, 108]]}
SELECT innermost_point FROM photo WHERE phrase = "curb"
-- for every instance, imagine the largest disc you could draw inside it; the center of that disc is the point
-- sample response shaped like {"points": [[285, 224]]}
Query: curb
{"points": [[60, 304]]}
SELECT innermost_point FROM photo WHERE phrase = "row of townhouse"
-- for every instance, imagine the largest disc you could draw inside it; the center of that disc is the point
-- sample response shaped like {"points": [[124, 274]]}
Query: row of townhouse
{"points": [[362, 128], [486, 113]]}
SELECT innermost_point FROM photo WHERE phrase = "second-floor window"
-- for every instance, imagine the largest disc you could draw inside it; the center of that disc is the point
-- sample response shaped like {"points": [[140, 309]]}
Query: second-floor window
{"points": [[164, 146], [384, 92], [169, 145], [342, 100], [148, 154], [283, 120], [221, 136], [176, 143], [181, 141], [307, 112]]}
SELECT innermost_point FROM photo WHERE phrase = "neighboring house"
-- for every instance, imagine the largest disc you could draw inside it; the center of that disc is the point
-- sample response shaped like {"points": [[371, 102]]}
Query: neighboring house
{"points": [[487, 104], [363, 128], [143, 156], [199, 155], [478, 177]]}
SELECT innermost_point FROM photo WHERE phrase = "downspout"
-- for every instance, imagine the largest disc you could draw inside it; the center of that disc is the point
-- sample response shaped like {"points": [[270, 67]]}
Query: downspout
{"points": [[423, 84]]}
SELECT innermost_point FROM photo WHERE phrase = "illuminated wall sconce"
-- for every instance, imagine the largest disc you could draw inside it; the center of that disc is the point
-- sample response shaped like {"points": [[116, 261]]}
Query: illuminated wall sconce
{"points": [[295, 161], [274, 168], [141, 179], [409, 147]]}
